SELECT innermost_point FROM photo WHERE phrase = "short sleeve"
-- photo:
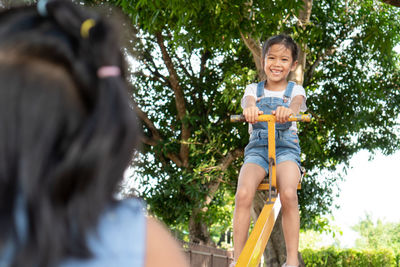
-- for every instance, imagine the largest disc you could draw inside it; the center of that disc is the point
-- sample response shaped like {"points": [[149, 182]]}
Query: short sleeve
{"points": [[251, 90], [119, 238], [299, 90]]}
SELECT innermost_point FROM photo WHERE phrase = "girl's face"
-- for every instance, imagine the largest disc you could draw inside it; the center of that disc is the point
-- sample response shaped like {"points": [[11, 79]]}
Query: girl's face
{"points": [[278, 63]]}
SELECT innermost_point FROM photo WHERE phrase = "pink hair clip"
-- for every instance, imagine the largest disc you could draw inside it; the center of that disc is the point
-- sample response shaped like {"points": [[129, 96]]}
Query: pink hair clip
{"points": [[108, 71]]}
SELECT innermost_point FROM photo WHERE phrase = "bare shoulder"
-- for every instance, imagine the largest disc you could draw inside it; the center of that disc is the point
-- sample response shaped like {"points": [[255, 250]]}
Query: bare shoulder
{"points": [[161, 248]]}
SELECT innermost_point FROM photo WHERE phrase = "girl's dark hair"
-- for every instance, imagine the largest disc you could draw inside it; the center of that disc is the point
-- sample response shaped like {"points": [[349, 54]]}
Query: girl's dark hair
{"points": [[283, 39], [66, 135]]}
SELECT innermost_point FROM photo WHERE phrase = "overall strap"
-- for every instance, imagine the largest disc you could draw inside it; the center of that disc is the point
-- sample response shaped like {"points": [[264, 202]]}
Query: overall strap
{"points": [[260, 89], [288, 92]]}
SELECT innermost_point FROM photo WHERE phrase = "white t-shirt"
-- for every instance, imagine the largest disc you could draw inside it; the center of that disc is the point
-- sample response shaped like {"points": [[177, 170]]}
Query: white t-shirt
{"points": [[251, 90]]}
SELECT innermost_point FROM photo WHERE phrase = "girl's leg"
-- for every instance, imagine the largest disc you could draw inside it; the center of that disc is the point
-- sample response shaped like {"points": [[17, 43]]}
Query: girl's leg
{"points": [[288, 176], [250, 177]]}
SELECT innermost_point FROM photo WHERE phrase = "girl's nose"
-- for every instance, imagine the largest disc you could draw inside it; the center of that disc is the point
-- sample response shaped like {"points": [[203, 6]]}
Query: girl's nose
{"points": [[275, 63]]}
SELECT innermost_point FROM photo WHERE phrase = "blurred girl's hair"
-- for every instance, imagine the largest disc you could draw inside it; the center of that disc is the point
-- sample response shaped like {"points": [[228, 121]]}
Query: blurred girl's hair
{"points": [[66, 134]]}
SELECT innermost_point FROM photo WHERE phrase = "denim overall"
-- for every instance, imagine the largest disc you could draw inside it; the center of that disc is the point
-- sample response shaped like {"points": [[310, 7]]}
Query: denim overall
{"points": [[118, 240], [286, 140]]}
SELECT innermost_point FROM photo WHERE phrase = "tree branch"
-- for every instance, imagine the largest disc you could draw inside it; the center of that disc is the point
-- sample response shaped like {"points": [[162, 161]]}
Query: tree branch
{"points": [[311, 70], [204, 58], [149, 124], [255, 50], [206, 54], [305, 13], [213, 187], [173, 78], [392, 2], [304, 18], [327, 52], [155, 138], [179, 100], [229, 158]]}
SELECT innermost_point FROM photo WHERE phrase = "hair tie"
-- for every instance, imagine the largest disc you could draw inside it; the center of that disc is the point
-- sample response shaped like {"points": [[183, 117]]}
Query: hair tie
{"points": [[108, 71], [86, 26], [41, 7]]}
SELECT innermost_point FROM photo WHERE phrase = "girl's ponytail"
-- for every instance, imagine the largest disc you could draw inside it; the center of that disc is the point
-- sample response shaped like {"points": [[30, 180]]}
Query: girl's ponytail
{"points": [[90, 136]]}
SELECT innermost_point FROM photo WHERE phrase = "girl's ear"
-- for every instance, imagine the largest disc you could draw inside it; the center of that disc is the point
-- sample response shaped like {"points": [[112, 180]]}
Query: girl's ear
{"points": [[294, 65]]}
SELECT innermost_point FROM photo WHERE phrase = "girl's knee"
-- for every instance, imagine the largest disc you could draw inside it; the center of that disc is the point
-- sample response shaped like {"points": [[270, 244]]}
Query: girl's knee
{"points": [[243, 197], [289, 196]]}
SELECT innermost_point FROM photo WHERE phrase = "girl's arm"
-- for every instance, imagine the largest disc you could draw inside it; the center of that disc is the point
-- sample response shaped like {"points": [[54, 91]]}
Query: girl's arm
{"points": [[250, 110], [296, 103], [282, 114]]}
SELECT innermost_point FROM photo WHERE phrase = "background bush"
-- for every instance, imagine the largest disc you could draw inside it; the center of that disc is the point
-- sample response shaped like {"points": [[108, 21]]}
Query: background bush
{"points": [[349, 257]]}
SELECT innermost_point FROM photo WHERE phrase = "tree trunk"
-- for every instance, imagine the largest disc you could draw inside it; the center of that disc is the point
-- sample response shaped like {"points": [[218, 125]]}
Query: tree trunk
{"points": [[304, 18], [198, 231]]}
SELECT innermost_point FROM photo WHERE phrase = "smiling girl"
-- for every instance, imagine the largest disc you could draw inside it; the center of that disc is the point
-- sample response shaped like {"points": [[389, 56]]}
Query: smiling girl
{"points": [[275, 96]]}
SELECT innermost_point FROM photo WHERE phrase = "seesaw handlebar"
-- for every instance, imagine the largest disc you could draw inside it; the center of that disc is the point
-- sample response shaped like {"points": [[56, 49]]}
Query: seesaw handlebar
{"points": [[272, 118]]}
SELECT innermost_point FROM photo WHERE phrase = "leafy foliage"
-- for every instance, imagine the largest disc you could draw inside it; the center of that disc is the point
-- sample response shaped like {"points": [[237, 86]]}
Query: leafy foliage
{"points": [[332, 257], [352, 78], [378, 235]]}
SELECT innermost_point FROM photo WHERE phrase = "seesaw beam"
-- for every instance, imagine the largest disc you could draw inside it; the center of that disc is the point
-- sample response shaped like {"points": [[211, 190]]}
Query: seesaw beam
{"points": [[255, 245], [265, 187]]}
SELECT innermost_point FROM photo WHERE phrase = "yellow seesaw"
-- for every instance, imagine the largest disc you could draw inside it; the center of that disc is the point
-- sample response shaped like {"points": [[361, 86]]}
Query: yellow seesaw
{"points": [[255, 245]]}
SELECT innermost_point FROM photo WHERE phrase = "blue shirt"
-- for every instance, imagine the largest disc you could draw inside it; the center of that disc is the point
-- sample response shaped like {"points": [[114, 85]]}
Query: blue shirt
{"points": [[118, 240]]}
